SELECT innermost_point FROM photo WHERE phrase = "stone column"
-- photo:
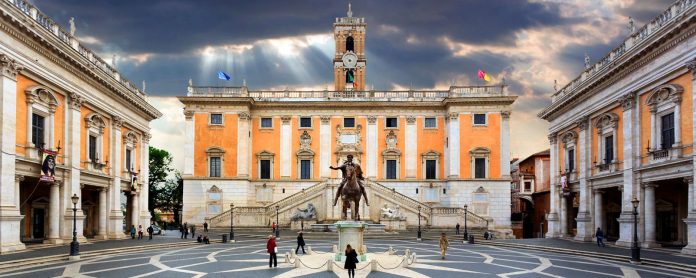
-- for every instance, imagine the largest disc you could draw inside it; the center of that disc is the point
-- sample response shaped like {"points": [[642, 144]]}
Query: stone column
{"points": [[73, 186], [285, 147], [10, 215], [101, 233], [145, 216], [505, 145], [115, 223], [649, 215], [325, 146], [584, 217], [690, 220], [411, 147], [243, 145], [134, 213], [189, 143], [453, 143], [371, 147], [598, 210], [563, 218], [554, 202], [629, 191], [54, 214]]}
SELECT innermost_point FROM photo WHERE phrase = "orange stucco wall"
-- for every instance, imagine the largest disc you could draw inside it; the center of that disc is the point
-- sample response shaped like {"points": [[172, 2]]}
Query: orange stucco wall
{"points": [[472, 137], [223, 136]]}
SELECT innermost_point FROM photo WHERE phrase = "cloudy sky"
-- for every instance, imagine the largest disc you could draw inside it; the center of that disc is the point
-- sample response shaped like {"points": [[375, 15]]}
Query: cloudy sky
{"points": [[288, 44]]}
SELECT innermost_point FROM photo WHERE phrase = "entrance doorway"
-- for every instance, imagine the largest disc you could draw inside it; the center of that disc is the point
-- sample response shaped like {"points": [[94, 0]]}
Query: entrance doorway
{"points": [[38, 217]]}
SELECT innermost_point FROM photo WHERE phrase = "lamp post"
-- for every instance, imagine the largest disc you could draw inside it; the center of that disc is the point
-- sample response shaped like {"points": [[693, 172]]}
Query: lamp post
{"points": [[419, 225], [277, 224], [74, 245], [466, 231], [181, 211], [635, 250], [231, 222]]}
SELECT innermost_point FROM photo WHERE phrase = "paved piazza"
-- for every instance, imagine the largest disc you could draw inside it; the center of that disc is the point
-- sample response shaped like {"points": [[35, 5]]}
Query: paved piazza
{"points": [[248, 258]]}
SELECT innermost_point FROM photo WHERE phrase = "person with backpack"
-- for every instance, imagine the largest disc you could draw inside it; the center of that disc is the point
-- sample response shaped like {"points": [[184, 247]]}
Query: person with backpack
{"points": [[351, 261]]}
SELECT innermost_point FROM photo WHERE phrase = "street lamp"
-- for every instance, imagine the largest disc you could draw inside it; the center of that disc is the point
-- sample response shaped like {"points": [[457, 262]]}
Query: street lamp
{"points": [[231, 222], [635, 250], [419, 226], [277, 224], [466, 231], [74, 245]]}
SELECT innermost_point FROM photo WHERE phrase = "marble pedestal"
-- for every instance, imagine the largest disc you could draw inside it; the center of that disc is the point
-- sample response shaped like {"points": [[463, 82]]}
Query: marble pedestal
{"points": [[350, 232]]}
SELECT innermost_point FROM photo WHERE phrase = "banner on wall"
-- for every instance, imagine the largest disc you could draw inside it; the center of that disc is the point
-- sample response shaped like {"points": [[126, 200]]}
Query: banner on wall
{"points": [[48, 165]]}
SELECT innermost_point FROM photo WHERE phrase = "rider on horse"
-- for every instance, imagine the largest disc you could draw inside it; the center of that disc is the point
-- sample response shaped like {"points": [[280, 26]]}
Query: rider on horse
{"points": [[349, 161]]}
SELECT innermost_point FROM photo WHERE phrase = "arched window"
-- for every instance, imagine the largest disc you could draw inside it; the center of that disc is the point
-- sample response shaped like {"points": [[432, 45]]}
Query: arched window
{"points": [[350, 45], [350, 76]]}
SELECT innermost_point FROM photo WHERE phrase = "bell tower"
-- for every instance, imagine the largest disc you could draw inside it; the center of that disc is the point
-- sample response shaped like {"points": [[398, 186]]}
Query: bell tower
{"points": [[349, 59]]}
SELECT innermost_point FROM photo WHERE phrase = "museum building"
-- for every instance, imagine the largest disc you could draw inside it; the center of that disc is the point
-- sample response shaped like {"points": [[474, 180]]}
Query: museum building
{"points": [[71, 126], [622, 139], [269, 152]]}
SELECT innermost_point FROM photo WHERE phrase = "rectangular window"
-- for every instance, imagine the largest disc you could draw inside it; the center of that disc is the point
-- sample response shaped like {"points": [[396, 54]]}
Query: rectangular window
{"points": [[128, 160], [667, 131], [348, 122], [571, 160], [608, 149], [266, 122], [306, 122], [265, 169], [430, 123], [391, 169], [215, 167], [215, 119], [480, 168], [527, 186], [391, 122], [305, 169], [37, 130], [430, 169], [92, 148], [479, 119]]}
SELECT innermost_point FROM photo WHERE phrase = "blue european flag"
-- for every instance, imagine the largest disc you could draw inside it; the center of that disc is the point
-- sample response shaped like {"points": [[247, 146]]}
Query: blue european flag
{"points": [[223, 76]]}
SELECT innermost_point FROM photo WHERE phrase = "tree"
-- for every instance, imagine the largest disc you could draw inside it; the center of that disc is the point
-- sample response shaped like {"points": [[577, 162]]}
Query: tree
{"points": [[160, 167]]}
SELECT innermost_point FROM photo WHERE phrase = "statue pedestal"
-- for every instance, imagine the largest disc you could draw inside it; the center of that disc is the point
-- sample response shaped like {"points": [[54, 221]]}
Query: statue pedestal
{"points": [[301, 225], [350, 232], [393, 224]]}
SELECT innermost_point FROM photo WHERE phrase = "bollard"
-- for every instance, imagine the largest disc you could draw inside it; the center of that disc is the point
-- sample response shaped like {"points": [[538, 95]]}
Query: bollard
{"points": [[309, 250], [329, 265], [224, 238], [334, 249], [297, 262], [413, 258], [287, 257], [391, 250], [373, 265]]}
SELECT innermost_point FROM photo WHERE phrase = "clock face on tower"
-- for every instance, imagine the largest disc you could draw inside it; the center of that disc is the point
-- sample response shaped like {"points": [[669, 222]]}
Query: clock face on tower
{"points": [[350, 60]]}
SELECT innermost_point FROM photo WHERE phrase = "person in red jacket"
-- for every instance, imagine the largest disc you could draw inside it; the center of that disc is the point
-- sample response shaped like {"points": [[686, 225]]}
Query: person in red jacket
{"points": [[272, 249]]}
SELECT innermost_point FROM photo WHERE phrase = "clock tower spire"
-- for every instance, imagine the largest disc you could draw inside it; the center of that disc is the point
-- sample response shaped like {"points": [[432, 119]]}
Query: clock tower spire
{"points": [[349, 58]]}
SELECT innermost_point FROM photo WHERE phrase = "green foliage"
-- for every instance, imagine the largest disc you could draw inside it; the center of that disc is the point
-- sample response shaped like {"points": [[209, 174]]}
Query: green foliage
{"points": [[164, 193]]}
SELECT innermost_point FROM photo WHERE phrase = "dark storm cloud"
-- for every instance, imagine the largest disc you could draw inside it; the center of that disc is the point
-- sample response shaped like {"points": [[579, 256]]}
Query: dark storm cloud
{"points": [[169, 26]]}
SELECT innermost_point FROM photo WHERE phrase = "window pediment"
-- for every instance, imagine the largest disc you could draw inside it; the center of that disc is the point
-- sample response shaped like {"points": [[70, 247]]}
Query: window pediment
{"points": [[569, 137], [265, 155], [480, 152], [665, 93], [430, 155], [42, 95], [94, 120], [130, 138], [214, 151], [607, 120]]}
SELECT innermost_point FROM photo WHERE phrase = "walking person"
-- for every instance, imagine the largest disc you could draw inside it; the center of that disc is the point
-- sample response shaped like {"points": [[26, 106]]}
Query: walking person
{"points": [[272, 249], [444, 243], [300, 243], [186, 230], [205, 226], [140, 232], [193, 231], [351, 261], [456, 228], [132, 231], [273, 226], [181, 230], [150, 231], [600, 237]]}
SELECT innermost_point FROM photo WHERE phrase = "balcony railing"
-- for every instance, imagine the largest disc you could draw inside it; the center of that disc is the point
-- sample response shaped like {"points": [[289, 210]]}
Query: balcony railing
{"points": [[660, 154], [408, 95]]}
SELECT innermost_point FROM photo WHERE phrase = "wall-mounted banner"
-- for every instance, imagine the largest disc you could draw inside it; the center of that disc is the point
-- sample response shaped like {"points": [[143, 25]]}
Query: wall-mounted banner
{"points": [[48, 165]]}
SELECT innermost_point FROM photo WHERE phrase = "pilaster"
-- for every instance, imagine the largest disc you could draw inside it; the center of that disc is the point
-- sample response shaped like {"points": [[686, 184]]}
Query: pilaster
{"points": [[584, 217], [325, 146], [554, 196], [411, 147], [285, 147], [629, 191], [453, 143], [690, 220], [243, 146], [189, 142], [115, 221], [145, 217], [371, 147], [505, 144]]}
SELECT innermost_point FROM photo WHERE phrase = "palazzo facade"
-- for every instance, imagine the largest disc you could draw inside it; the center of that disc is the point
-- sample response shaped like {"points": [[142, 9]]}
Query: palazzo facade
{"points": [[270, 151], [70, 125], [624, 130]]}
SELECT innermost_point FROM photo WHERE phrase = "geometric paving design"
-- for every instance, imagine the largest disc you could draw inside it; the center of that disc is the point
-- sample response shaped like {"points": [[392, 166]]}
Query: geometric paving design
{"points": [[247, 258]]}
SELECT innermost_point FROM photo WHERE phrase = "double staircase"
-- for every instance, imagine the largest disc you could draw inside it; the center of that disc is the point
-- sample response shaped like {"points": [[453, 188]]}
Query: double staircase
{"points": [[321, 196]]}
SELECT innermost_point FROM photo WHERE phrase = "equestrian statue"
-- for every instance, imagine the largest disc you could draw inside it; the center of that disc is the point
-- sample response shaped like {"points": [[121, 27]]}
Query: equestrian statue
{"points": [[351, 188]]}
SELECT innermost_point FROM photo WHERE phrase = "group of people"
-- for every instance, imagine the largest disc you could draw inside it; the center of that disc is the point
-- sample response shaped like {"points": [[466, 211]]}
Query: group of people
{"points": [[272, 249], [186, 229], [150, 231]]}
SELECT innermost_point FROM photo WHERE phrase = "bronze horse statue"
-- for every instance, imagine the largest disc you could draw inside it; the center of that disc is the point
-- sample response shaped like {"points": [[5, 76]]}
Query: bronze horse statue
{"points": [[351, 193]]}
